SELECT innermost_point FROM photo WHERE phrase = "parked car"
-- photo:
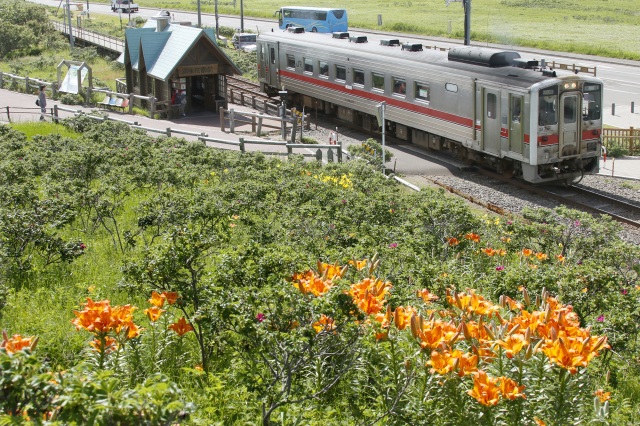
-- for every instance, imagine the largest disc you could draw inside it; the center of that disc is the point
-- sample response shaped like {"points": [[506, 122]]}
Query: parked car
{"points": [[244, 41], [124, 6]]}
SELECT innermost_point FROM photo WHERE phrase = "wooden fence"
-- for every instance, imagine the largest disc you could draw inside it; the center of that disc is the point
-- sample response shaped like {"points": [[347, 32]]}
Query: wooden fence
{"points": [[628, 139]]}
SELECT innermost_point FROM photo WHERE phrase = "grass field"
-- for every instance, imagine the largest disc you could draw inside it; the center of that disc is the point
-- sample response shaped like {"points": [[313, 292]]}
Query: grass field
{"points": [[598, 27]]}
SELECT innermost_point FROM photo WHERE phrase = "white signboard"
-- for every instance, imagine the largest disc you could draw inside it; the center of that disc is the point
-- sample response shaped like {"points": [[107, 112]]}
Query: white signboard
{"points": [[70, 82]]}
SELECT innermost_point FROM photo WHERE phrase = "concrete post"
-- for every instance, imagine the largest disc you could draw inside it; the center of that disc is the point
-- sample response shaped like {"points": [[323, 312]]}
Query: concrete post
{"points": [[222, 119], [232, 123]]}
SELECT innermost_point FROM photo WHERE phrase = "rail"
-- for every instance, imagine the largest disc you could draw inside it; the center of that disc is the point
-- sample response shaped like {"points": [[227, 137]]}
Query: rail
{"points": [[30, 84], [628, 139], [111, 43]]}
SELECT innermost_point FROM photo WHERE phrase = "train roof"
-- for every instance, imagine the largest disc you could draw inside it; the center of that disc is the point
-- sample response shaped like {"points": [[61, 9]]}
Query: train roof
{"points": [[475, 62]]}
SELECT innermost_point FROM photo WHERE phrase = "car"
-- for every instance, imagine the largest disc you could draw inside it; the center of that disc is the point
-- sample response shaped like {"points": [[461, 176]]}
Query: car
{"points": [[244, 41]]}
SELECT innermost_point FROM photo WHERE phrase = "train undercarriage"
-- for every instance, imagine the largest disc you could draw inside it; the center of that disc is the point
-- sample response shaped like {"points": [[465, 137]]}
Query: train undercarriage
{"points": [[567, 171]]}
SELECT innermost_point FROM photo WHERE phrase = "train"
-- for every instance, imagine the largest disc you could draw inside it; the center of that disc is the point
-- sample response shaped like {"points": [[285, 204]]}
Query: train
{"points": [[483, 105]]}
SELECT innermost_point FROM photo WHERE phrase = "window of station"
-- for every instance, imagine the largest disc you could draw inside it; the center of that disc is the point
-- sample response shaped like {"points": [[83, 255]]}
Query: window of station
{"points": [[308, 65], [377, 81], [422, 93], [291, 61], [341, 72], [358, 77], [324, 69], [399, 86], [491, 105]]}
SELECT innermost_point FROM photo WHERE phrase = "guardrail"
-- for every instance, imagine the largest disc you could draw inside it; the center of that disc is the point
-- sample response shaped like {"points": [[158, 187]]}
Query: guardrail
{"points": [[628, 139], [30, 85], [573, 67], [334, 153]]}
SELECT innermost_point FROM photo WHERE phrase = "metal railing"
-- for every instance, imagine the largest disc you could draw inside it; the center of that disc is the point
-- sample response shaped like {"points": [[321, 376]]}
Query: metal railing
{"points": [[114, 44]]}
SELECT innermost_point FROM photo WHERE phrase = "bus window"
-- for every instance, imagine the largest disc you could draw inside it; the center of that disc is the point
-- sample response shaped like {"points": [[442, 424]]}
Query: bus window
{"points": [[313, 19], [308, 65], [422, 91], [377, 81], [341, 72], [358, 77]]}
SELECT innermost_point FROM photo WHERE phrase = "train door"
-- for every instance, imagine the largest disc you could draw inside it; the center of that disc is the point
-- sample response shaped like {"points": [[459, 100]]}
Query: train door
{"points": [[516, 104], [272, 66], [569, 129], [491, 121]]}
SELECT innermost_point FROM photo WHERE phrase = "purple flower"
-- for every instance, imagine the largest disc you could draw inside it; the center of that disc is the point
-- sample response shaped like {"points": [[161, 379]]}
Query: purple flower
{"points": [[623, 291], [500, 268], [260, 317], [344, 201], [576, 223], [509, 222], [601, 318], [393, 245]]}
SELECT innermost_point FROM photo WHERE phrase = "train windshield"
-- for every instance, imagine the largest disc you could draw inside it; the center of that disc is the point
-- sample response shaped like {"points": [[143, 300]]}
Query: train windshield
{"points": [[592, 102], [548, 107]]}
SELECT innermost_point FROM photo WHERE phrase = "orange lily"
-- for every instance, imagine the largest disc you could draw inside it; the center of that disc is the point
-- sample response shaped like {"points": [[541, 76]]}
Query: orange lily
{"points": [[484, 389], [181, 327], [157, 299], [170, 296], [153, 313], [510, 389]]}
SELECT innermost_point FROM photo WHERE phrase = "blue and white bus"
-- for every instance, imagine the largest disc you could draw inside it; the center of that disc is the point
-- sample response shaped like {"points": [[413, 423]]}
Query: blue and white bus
{"points": [[313, 19]]}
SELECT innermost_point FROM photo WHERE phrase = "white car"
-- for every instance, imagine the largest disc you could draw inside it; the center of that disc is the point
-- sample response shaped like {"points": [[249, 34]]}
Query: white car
{"points": [[244, 41]]}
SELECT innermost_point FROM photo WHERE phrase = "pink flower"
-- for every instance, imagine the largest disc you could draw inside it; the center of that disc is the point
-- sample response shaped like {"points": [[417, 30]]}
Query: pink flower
{"points": [[393, 245], [260, 317], [623, 291], [500, 268], [601, 318]]}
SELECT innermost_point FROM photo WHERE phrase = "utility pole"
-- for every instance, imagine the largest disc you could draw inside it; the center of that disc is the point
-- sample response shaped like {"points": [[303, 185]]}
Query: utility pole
{"points": [[71, 41], [200, 15], [467, 22], [466, 4], [241, 16]]}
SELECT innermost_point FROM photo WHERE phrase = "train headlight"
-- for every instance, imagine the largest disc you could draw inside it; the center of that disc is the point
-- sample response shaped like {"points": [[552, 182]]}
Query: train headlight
{"points": [[568, 86]]}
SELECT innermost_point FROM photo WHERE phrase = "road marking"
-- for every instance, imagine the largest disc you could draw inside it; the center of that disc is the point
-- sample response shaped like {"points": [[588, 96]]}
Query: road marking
{"points": [[623, 91]]}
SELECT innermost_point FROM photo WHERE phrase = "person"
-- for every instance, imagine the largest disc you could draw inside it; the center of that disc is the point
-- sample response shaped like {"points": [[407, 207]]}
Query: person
{"points": [[182, 99], [42, 102], [174, 97]]}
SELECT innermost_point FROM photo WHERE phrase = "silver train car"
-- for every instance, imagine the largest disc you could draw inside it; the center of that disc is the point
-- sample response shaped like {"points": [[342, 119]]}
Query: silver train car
{"points": [[483, 105]]}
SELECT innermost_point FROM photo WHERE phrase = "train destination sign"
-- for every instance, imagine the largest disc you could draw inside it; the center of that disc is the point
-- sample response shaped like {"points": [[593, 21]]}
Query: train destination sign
{"points": [[190, 70]]}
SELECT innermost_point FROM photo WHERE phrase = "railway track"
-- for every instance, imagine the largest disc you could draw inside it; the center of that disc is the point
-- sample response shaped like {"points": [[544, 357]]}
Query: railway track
{"points": [[239, 84], [580, 198]]}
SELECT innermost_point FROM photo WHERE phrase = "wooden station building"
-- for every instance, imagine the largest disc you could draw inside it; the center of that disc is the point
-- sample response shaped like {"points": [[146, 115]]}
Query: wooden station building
{"points": [[162, 57]]}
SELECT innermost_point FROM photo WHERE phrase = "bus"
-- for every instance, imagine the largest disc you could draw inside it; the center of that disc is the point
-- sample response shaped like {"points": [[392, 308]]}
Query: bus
{"points": [[313, 19]]}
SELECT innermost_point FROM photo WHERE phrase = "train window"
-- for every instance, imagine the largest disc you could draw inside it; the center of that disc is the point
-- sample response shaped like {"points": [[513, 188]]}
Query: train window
{"points": [[591, 103], [422, 91], [399, 86], [358, 77], [570, 110], [451, 87], [341, 72], [273, 55], [324, 69], [491, 105], [291, 61], [377, 81], [547, 111], [308, 65], [516, 109]]}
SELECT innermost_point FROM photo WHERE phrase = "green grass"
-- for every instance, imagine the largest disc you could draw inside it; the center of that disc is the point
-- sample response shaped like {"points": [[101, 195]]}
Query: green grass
{"points": [[561, 25], [31, 129]]}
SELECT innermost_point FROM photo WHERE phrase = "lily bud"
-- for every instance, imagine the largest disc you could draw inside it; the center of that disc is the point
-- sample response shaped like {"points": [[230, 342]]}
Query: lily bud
{"points": [[537, 346], [465, 330], [525, 294], [454, 339], [528, 353], [537, 302], [34, 343], [513, 329], [489, 332], [501, 301], [414, 326], [527, 336], [553, 334], [343, 270]]}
